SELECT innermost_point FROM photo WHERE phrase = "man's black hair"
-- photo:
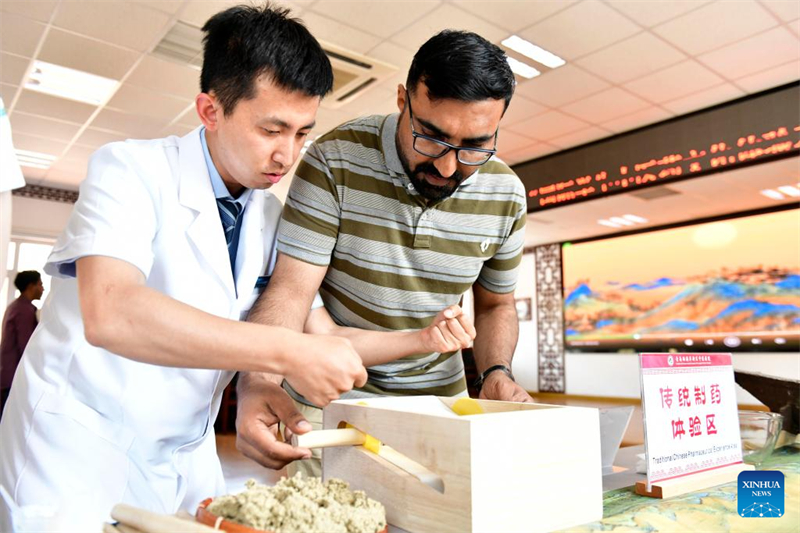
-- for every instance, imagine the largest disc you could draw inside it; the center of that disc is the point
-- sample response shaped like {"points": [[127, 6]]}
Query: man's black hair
{"points": [[243, 43], [25, 279], [461, 65]]}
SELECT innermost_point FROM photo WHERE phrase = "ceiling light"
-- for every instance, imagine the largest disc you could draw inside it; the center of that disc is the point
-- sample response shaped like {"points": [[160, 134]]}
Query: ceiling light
{"points": [[635, 218], [69, 83], [608, 223], [775, 195], [621, 221], [537, 53], [790, 190], [522, 69], [624, 220], [26, 158]]}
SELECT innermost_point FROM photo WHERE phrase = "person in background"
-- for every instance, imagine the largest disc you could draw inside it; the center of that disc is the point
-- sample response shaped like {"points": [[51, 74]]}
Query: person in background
{"points": [[394, 217], [19, 321]]}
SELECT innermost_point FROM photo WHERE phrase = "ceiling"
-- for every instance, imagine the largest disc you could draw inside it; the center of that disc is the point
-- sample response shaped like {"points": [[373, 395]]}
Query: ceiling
{"points": [[629, 64]]}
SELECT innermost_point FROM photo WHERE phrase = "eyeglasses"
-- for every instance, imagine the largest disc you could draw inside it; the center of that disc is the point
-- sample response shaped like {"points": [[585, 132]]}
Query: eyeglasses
{"points": [[430, 147]]}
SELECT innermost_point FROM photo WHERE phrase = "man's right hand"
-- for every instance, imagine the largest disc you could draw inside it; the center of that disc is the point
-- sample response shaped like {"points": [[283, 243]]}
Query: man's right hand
{"points": [[260, 407], [451, 330], [325, 368]]}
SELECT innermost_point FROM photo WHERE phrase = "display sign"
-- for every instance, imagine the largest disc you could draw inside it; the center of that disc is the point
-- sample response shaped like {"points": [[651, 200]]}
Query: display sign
{"points": [[691, 422], [754, 129]]}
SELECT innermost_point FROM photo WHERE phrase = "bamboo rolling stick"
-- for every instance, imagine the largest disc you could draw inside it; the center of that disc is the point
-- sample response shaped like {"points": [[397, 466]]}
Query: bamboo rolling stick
{"points": [[149, 522], [324, 438], [122, 528]]}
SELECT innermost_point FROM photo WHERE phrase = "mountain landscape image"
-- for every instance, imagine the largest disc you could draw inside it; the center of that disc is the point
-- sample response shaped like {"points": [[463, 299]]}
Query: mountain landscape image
{"points": [[715, 297]]}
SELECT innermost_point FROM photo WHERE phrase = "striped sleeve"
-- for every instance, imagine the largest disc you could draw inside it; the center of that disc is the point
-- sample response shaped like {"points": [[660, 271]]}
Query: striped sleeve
{"points": [[311, 217], [499, 274]]}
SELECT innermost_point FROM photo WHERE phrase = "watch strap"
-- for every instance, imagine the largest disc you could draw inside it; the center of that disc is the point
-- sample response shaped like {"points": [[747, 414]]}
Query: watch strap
{"points": [[485, 373]]}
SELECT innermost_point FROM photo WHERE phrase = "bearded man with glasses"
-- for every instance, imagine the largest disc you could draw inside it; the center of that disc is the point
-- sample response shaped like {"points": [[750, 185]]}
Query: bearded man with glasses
{"points": [[394, 218], [426, 177]]}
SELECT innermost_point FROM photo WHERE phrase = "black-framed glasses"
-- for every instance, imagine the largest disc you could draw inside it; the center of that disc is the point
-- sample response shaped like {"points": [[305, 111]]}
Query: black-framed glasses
{"points": [[430, 147]]}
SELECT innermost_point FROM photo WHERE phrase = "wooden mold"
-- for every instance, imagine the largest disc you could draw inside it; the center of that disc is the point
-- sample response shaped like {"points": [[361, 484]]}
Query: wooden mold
{"points": [[516, 467]]}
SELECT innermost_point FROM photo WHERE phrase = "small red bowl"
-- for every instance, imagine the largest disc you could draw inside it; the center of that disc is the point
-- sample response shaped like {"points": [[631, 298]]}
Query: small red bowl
{"points": [[204, 516]]}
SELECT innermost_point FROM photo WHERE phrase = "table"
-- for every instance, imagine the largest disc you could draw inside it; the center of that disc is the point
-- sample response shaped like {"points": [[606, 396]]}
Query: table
{"points": [[707, 511]]}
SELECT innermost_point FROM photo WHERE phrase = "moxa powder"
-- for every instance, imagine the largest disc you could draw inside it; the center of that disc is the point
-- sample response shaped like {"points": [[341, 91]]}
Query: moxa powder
{"points": [[300, 504]]}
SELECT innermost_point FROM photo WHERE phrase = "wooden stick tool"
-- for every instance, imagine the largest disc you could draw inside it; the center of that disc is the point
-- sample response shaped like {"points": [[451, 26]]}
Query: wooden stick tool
{"points": [[350, 436]]}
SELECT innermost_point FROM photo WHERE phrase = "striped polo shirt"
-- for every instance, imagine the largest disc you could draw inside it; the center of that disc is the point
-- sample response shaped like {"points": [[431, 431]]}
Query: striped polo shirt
{"points": [[394, 260]]}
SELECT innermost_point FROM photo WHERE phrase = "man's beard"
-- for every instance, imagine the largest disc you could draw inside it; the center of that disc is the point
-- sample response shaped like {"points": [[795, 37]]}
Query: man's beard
{"points": [[431, 192]]}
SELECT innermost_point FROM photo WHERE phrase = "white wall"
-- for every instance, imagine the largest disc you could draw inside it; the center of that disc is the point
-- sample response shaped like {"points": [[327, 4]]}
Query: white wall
{"points": [[526, 365], [617, 375], [38, 218]]}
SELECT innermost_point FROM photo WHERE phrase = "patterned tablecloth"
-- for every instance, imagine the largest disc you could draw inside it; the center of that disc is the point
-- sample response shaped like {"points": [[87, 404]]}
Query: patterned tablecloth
{"points": [[711, 510]]}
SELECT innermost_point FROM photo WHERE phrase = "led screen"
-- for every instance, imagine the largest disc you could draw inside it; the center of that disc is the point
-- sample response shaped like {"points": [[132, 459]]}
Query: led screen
{"points": [[751, 130], [732, 284]]}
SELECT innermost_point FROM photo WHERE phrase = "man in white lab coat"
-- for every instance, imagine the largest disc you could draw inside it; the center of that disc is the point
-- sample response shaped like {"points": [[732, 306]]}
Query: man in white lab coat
{"points": [[168, 246]]}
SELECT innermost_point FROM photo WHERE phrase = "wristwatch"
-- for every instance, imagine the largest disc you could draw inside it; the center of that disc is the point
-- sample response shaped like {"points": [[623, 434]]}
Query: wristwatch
{"points": [[482, 377]]}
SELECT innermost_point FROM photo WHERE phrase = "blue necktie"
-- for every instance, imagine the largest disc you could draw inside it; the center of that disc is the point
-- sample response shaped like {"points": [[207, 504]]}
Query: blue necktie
{"points": [[229, 212]]}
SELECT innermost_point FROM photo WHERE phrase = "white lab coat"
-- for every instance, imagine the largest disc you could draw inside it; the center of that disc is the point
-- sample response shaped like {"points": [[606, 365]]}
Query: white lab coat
{"points": [[85, 426]]}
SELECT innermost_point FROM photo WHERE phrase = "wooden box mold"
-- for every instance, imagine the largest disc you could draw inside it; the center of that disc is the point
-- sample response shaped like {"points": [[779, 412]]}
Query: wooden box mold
{"points": [[516, 467]]}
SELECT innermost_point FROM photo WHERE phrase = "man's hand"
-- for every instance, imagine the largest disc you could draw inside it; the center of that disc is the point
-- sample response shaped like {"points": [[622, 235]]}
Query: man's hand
{"points": [[451, 330], [261, 405], [324, 368], [498, 386]]}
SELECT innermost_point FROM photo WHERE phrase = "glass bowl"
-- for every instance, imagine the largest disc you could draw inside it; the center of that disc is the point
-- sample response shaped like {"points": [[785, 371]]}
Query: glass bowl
{"points": [[759, 432]]}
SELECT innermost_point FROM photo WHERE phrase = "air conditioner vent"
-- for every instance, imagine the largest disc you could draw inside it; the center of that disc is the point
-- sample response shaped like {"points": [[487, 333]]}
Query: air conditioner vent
{"points": [[182, 44], [356, 90], [347, 59], [352, 73]]}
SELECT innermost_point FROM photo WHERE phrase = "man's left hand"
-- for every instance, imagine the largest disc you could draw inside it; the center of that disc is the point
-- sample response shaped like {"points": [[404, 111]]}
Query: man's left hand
{"points": [[498, 386]]}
